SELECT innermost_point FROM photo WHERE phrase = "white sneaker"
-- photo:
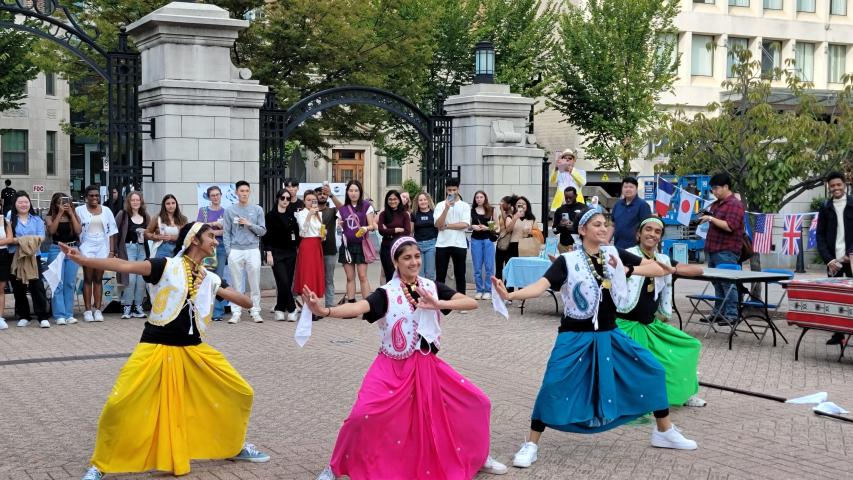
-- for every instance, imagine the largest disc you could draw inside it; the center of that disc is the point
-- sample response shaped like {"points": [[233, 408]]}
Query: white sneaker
{"points": [[3, 325], [87, 316], [256, 317], [99, 317], [60, 321], [463, 312], [526, 455], [235, 317], [23, 322], [293, 316], [326, 474], [125, 311], [487, 296], [695, 401], [279, 315], [478, 296], [70, 321], [44, 324], [672, 438], [493, 466]]}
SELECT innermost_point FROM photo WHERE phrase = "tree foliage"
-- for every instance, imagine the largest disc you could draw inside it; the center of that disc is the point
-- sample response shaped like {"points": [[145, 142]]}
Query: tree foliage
{"points": [[611, 64], [775, 143], [18, 66]]}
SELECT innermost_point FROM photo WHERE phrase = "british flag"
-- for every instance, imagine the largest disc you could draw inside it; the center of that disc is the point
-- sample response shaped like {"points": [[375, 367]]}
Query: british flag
{"points": [[792, 232], [762, 236]]}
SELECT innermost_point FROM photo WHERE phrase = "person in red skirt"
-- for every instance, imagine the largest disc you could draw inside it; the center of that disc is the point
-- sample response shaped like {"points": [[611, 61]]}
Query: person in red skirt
{"points": [[310, 271]]}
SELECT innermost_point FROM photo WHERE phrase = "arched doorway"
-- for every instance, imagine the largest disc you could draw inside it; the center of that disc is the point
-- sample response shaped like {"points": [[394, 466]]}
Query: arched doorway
{"points": [[50, 20], [276, 125]]}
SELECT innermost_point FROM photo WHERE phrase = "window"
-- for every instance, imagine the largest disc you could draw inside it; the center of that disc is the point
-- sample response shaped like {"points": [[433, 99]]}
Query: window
{"points": [[837, 63], [838, 7], [49, 84], [735, 46], [393, 172], [805, 5], [739, 3], [51, 153], [804, 61], [14, 152], [773, 4], [668, 41], [702, 56], [771, 58]]}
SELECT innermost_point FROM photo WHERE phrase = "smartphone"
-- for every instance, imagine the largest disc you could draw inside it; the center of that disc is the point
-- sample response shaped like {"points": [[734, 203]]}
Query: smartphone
{"points": [[66, 200], [325, 183], [450, 197]]}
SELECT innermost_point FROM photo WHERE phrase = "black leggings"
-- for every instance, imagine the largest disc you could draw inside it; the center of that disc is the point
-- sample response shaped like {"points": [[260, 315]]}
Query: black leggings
{"points": [[283, 269], [385, 258], [538, 426]]}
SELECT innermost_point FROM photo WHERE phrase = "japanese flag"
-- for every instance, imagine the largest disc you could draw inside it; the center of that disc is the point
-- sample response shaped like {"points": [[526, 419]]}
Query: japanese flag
{"points": [[686, 203]]}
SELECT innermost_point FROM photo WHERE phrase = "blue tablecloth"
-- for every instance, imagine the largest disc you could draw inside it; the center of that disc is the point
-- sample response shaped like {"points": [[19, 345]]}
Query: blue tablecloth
{"points": [[520, 272]]}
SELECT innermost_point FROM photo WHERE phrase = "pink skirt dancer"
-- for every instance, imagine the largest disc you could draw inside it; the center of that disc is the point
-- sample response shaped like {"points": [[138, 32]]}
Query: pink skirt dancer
{"points": [[414, 419]]}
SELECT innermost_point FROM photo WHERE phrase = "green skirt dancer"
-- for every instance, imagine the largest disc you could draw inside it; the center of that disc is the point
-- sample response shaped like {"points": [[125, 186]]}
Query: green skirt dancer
{"points": [[677, 351]]}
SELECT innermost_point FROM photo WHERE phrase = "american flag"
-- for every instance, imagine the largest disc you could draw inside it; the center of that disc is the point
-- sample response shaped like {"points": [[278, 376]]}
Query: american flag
{"points": [[813, 232], [791, 233], [762, 237]]}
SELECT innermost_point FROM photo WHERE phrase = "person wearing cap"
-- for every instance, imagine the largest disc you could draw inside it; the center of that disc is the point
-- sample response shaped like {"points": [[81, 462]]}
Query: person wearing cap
{"points": [[566, 175], [650, 305], [176, 399], [597, 378], [627, 214], [414, 416]]}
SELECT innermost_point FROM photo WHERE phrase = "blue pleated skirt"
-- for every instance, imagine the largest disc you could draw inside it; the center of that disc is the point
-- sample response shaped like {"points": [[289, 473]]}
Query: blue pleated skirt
{"points": [[596, 381]]}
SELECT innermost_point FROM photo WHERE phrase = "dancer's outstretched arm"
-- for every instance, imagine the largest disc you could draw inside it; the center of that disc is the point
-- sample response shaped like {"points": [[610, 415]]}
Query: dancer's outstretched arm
{"points": [[109, 264], [533, 290], [234, 296], [347, 310], [458, 301]]}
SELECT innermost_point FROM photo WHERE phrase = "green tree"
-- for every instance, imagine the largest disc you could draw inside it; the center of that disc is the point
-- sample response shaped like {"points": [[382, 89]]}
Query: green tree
{"points": [[611, 63], [772, 156], [18, 67]]}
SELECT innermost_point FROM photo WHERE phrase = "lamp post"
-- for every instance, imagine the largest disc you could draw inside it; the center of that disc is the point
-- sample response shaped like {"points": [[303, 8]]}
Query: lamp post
{"points": [[484, 62]]}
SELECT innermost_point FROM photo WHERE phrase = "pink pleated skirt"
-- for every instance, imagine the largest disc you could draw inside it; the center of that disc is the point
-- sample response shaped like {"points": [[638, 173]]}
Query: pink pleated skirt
{"points": [[414, 419]]}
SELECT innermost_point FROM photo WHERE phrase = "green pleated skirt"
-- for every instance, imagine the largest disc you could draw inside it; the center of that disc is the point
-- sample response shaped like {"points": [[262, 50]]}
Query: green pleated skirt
{"points": [[677, 351]]}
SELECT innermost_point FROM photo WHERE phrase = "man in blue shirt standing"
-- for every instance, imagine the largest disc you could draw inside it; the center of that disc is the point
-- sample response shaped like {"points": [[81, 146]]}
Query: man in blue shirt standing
{"points": [[627, 214]]}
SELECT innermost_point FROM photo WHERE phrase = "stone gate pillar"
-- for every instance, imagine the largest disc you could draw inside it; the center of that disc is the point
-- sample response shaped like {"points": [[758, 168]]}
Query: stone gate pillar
{"points": [[206, 109], [491, 145]]}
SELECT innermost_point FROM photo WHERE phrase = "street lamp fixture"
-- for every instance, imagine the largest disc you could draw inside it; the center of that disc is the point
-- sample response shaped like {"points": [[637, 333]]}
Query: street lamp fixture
{"points": [[484, 62]]}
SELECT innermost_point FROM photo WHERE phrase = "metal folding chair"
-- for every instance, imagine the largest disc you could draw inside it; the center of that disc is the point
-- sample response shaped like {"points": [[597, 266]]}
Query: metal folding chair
{"points": [[709, 300], [766, 305]]}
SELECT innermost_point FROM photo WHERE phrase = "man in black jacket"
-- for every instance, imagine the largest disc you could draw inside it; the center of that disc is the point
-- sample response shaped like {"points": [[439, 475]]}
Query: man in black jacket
{"points": [[566, 219], [835, 233]]}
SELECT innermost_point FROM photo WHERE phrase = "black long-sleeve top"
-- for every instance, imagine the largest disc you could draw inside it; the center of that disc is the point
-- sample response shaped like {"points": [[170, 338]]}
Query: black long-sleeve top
{"points": [[282, 231]]}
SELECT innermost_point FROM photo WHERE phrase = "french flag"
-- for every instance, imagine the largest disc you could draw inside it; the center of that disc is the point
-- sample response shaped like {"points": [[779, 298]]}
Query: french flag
{"points": [[663, 197]]}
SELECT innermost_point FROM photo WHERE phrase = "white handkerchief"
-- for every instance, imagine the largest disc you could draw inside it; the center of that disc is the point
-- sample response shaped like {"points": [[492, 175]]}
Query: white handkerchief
{"points": [[53, 274], [428, 326], [303, 327], [498, 303], [814, 398], [830, 407]]}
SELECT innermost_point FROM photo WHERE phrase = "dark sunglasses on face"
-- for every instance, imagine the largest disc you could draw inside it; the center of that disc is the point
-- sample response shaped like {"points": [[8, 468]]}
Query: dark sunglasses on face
{"points": [[284, 197]]}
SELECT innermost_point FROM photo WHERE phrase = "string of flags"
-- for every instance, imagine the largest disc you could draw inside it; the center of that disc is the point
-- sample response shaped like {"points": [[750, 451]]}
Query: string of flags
{"points": [[761, 235]]}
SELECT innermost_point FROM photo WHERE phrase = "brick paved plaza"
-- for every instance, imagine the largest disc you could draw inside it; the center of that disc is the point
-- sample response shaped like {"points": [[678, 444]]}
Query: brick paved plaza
{"points": [[50, 407]]}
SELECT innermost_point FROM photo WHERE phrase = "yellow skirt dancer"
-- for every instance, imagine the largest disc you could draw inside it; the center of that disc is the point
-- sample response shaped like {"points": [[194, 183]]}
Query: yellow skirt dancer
{"points": [[176, 399]]}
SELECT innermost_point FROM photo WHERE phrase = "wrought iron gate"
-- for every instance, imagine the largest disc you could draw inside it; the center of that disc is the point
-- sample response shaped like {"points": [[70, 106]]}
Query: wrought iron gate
{"points": [[276, 125], [51, 20]]}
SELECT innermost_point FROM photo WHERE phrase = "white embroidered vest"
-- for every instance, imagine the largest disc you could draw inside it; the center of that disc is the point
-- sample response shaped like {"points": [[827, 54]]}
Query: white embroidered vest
{"points": [[169, 295], [398, 329], [663, 288], [581, 293]]}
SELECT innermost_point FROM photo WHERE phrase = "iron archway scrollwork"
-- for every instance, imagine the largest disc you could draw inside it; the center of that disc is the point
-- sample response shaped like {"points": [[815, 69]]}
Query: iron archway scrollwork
{"points": [[121, 68], [278, 124]]}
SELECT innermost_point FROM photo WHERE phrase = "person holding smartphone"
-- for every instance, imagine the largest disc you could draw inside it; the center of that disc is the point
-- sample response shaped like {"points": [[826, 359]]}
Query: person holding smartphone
{"points": [[452, 219], [63, 225], [310, 271], [566, 219]]}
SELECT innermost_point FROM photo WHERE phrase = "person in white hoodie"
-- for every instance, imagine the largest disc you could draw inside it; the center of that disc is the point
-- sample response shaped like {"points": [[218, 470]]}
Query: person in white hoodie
{"points": [[98, 225]]}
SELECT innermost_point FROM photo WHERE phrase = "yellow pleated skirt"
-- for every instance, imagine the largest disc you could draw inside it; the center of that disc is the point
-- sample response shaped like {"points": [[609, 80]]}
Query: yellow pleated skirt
{"points": [[171, 405]]}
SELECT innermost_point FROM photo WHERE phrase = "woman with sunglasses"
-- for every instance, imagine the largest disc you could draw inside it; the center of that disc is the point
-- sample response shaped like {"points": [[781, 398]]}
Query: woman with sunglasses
{"points": [[280, 243], [98, 225]]}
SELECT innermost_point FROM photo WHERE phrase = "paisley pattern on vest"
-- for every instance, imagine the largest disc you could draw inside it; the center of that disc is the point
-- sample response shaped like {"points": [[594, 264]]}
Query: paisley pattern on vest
{"points": [[581, 292], [398, 329], [169, 295], [663, 288]]}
